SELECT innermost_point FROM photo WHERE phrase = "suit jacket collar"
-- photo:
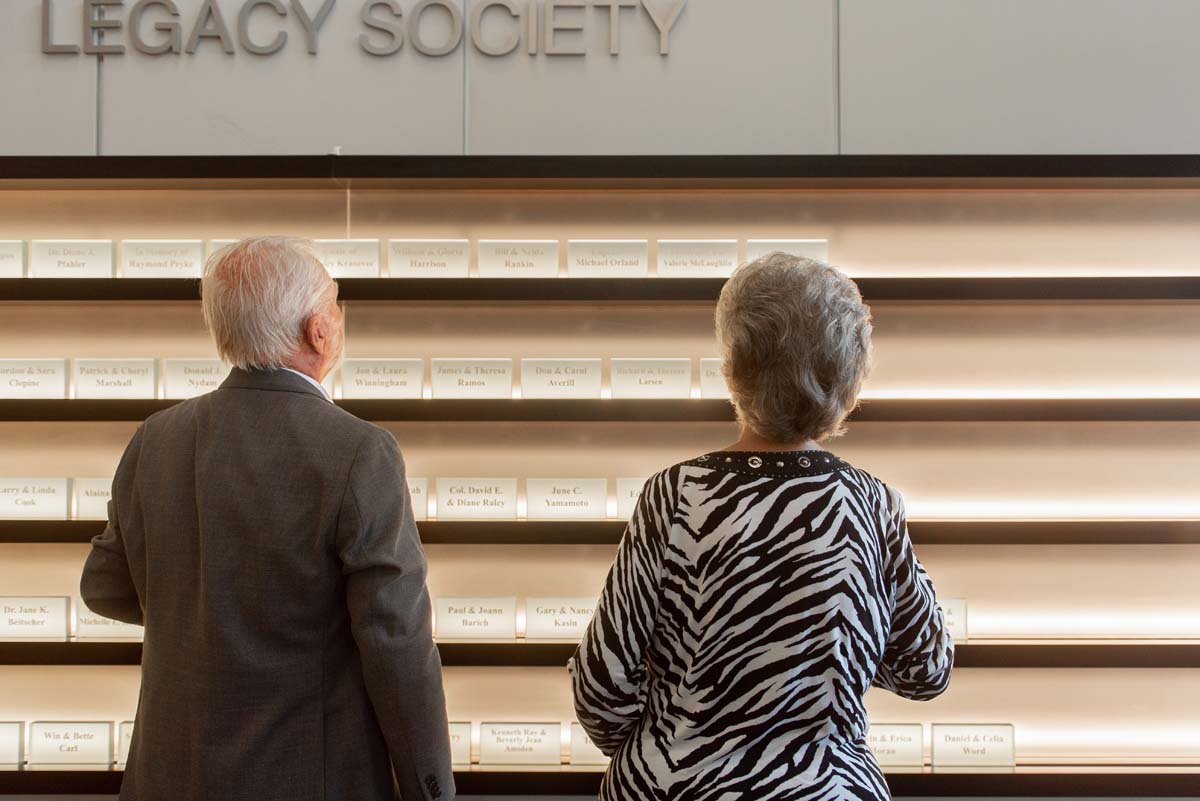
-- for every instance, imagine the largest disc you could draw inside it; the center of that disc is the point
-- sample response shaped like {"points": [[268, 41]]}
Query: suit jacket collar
{"points": [[270, 381]]}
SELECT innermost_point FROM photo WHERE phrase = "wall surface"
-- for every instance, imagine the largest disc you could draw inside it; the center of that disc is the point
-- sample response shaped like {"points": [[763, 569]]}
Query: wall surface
{"points": [[768, 77]]}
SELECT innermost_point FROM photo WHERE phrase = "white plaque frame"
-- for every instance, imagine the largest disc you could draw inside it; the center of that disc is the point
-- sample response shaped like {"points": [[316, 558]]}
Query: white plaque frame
{"points": [[540, 491], [103, 751], [909, 754], [12, 258], [540, 625], [456, 254], [12, 745], [446, 386], [506, 488], [682, 258], [97, 262], [10, 372], [448, 628], [187, 262], [805, 248], [362, 379], [209, 374], [460, 743], [956, 614], [418, 493], [144, 387], [89, 627], [630, 386], [16, 486], [346, 264], [86, 504], [712, 380], [489, 749], [628, 492], [58, 615], [519, 258], [539, 375], [124, 741], [632, 257], [583, 750], [943, 756]]}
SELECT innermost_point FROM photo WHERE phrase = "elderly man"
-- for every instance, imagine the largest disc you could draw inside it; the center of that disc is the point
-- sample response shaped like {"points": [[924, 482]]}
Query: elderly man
{"points": [[265, 540]]}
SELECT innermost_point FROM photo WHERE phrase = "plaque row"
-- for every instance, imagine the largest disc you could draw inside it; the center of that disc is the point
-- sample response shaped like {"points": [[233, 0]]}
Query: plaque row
{"points": [[407, 258], [951, 745], [58, 618], [372, 379], [64, 745]]}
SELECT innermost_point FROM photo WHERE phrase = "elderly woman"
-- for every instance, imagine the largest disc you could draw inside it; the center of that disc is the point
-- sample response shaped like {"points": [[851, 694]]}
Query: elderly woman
{"points": [[761, 590]]}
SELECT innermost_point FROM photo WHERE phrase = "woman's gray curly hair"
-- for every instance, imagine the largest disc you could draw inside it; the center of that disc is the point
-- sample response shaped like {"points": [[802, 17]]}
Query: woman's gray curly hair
{"points": [[795, 336]]}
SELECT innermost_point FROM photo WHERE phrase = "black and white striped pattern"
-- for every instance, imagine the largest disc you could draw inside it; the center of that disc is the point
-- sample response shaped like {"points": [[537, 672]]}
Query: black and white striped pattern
{"points": [[754, 599]]}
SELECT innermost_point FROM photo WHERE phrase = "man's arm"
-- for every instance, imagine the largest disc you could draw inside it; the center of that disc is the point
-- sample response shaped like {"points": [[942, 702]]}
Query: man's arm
{"points": [[106, 585], [392, 620]]}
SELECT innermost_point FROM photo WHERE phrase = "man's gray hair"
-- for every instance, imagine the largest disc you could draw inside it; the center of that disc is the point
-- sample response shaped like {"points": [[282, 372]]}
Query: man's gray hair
{"points": [[796, 340], [258, 294]]}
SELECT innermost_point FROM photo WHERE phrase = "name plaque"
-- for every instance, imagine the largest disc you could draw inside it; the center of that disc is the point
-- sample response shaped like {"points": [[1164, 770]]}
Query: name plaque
{"points": [[472, 378], [583, 750], [83, 258], [805, 248], [116, 378], [477, 498], [33, 618], [520, 743], [615, 258], [70, 744], [418, 491], [712, 381], [476, 618], [30, 379], [652, 378], [12, 258], [188, 378], [91, 626], [628, 492], [566, 498], [954, 612], [561, 378], [429, 258], [91, 498], [698, 258], [962, 745], [518, 258], [898, 745], [12, 745], [460, 743], [349, 258], [124, 740], [34, 498], [558, 618], [366, 379], [177, 258]]}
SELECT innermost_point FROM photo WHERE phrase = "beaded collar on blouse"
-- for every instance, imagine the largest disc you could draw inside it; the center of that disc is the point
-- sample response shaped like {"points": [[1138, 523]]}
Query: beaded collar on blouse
{"points": [[771, 463]]}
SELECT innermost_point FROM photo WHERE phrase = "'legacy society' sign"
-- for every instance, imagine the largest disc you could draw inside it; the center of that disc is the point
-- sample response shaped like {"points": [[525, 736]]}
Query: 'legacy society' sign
{"points": [[263, 27]]}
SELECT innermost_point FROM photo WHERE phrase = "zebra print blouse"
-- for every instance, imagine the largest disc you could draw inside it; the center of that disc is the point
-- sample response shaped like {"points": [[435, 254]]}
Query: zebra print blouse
{"points": [[754, 599]]}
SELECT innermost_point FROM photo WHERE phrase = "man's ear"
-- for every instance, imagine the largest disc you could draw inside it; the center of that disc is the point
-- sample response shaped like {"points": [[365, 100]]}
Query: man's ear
{"points": [[316, 334]]}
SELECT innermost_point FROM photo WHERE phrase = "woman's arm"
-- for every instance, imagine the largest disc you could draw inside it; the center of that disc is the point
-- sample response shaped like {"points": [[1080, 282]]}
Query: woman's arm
{"points": [[608, 671], [919, 654]]}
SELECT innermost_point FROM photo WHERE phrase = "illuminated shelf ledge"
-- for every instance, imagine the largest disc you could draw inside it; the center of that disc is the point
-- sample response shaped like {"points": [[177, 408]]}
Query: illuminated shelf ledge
{"points": [[625, 290], [659, 411], [555, 654], [608, 532], [1132, 782]]}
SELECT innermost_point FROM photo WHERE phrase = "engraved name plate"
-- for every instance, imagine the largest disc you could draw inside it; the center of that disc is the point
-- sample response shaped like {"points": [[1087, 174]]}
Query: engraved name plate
{"points": [[91, 626], [583, 750], [116, 378], [566, 498], [12, 258], [628, 492], [614, 258], [805, 248], [712, 382], [651, 378], [973, 745], [33, 618], [472, 378], [696, 258], [54, 744], [12, 745], [899, 745], [91, 498], [124, 740], [177, 258], [33, 378], [477, 498], [561, 378], [91, 258], [429, 258], [418, 491], [520, 743], [364, 379], [518, 258], [460, 743], [954, 612], [476, 618], [558, 618], [349, 258], [187, 378], [34, 498]]}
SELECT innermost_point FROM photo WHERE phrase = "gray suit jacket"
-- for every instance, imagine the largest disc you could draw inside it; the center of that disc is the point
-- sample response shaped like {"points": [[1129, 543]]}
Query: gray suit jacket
{"points": [[265, 540]]}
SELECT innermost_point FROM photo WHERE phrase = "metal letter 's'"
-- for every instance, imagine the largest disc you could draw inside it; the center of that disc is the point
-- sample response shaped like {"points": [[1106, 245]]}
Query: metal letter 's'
{"points": [[393, 28]]}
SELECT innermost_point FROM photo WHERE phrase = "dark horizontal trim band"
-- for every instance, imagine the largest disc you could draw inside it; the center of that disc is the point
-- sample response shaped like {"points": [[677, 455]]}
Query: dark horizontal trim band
{"points": [[556, 654], [629, 290], [655, 411], [608, 532], [652, 167]]}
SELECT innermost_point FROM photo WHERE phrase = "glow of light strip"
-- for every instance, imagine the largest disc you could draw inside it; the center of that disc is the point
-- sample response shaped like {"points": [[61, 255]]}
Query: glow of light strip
{"points": [[1034, 393], [1038, 509]]}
